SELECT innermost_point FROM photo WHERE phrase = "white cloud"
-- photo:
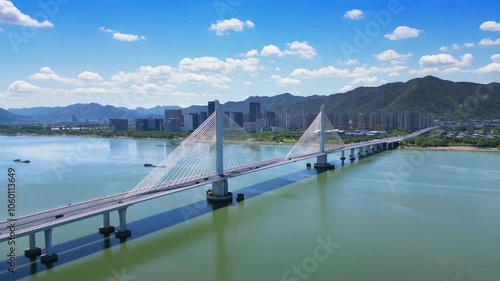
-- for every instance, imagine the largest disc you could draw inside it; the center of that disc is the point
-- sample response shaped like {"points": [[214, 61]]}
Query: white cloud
{"points": [[403, 32], [392, 55], [365, 72], [329, 71], [302, 49], [251, 53], [277, 68], [247, 82], [1, 30], [10, 14], [122, 36], [354, 14], [280, 81], [20, 86], [222, 26], [489, 42], [345, 88], [445, 61], [495, 58], [348, 62], [366, 80], [393, 74], [490, 26], [215, 65], [492, 67], [271, 51], [423, 71], [47, 74], [90, 76], [456, 46]]}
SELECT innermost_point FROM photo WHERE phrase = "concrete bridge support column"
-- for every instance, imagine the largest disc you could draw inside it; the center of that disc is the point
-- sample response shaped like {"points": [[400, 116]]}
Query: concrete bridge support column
{"points": [[123, 232], [342, 158], [219, 192], [322, 163], [360, 152], [106, 228], [389, 145], [33, 250], [374, 148], [49, 256], [367, 150], [352, 158]]}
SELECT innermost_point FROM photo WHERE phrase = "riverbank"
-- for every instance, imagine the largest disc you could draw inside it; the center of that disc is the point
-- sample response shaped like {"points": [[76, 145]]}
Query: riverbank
{"points": [[454, 148]]}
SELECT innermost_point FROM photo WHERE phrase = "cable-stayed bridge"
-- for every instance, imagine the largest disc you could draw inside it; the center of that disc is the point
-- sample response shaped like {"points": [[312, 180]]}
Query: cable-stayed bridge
{"points": [[215, 152]]}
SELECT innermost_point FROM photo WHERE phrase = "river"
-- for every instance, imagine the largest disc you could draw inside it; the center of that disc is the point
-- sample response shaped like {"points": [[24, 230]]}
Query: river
{"points": [[408, 215]]}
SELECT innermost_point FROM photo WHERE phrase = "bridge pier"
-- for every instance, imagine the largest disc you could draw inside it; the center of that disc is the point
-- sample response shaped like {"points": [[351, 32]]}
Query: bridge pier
{"points": [[123, 232], [106, 228], [360, 153], [322, 162], [219, 192], [49, 257], [342, 158], [33, 250], [352, 155]]}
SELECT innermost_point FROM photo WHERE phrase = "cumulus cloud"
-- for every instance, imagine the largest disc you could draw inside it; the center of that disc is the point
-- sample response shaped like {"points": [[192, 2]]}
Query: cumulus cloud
{"points": [[403, 32], [301, 49], [90, 76], [47, 74], [123, 37], [348, 62], [247, 82], [354, 14], [489, 42], [495, 58], [222, 27], [215, 65], [490, 26], [346, 88], [392, 55], [490, 68], [20, 86], [280, 81], [251, 53], [329, 71], [456, 46], [10, 14], [366, 80], [445, 61], [271, 51]]}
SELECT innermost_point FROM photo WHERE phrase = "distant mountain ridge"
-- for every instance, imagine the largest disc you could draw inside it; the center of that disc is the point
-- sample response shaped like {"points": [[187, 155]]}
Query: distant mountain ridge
{"points": [[429, 95]]}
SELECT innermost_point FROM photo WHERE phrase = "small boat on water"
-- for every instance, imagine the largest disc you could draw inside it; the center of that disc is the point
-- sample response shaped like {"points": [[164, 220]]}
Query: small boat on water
{"points": [[17, 160], [26, 161], [149, 165]]}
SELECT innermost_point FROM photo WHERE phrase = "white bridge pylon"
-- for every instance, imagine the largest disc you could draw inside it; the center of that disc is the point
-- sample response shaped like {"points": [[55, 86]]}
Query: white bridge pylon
{"points": [[196, 157]]}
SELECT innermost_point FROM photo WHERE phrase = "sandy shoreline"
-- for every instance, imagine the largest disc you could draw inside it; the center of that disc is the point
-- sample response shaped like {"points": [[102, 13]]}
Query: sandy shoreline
{"points": [[455, 148]]}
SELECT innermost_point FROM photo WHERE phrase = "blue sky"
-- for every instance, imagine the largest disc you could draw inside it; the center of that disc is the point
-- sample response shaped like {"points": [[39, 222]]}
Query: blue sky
{"points": [[146, 53]]}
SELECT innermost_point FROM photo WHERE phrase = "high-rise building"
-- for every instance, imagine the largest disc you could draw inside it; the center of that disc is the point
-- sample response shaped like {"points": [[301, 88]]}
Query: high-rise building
{"points": [[118, 125], [74, 119], [195, 120], [203, 116], [177, 120], [411, 120], [270, 116], [211, 107], [254, 110], [237, 117]]}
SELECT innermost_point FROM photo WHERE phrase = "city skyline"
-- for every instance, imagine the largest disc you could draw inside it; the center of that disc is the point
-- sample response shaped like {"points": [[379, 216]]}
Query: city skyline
{"points": [[69, 52]]}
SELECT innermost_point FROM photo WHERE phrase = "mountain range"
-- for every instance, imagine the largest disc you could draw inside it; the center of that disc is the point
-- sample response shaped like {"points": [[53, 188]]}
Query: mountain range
{"points": [[428, 95]]}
